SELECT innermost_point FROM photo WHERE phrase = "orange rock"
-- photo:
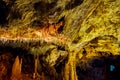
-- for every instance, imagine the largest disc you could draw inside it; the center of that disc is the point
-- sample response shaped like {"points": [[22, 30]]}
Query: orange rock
{"points": [[16, 69]]}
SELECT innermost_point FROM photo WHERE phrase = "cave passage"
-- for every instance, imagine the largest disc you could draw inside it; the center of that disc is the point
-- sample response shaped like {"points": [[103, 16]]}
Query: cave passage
{"points": [[101, 68]]}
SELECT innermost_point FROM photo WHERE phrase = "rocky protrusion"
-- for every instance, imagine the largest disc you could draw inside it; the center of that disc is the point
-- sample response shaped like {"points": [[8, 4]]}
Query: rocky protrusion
{"points": [[16, 69]]}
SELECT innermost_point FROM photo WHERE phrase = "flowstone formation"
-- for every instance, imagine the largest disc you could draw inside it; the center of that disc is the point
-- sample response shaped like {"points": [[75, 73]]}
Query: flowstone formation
{"points": [[59, 39]]}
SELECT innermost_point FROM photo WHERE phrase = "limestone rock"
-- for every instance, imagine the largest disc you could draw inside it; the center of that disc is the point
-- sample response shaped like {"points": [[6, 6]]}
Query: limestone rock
{"points": [[67, 37], [16, 69]]}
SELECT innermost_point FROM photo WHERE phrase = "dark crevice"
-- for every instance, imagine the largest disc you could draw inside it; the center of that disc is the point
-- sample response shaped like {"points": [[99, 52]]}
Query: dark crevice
{"points": [[28, 64], [40, 6], [60, 29], [73, 3], [3, 12], [44, 7], [59, 68], [76, 40], [84, 51], [61, 19], [61, 48]]}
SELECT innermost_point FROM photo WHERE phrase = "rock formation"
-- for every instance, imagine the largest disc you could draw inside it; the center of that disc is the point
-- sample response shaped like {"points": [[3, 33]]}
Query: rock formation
{"points": [[60, 39]]}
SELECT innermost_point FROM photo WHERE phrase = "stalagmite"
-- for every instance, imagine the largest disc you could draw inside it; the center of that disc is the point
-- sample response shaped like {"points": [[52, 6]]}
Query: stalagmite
{"points": [[35, 72], [16, 69], [67, 35]]}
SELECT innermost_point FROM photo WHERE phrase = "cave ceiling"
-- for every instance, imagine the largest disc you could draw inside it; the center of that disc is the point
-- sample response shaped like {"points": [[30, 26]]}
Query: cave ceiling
{"points": [[57, 30]]}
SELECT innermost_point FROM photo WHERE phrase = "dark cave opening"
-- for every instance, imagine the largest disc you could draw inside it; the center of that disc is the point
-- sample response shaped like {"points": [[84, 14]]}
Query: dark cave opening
{"points": [[100, 68]]}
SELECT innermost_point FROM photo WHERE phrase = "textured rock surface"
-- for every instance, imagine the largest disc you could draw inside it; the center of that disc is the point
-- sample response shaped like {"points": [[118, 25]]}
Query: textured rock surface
{"points": [[61, 39]]}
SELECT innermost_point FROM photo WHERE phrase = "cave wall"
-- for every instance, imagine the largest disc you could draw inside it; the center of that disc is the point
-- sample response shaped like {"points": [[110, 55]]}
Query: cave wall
{"points": [[64, 38]]}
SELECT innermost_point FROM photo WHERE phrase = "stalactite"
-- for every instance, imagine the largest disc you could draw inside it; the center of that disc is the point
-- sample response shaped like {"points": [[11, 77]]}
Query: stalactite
{"points": [[61, 32]]}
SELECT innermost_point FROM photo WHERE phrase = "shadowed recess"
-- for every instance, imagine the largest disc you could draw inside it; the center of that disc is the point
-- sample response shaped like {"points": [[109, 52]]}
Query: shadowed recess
{"points": [[3, 12], [100, 68], [7, 59], [44, 7], [73, 3]]}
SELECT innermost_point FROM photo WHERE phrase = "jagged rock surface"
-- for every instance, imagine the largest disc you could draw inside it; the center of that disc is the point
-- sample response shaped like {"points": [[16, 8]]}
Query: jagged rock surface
{"points": [[89, 34]]}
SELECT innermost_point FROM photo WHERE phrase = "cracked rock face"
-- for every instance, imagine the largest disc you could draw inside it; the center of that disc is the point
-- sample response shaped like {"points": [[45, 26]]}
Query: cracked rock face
{"points": [[59, 39]]}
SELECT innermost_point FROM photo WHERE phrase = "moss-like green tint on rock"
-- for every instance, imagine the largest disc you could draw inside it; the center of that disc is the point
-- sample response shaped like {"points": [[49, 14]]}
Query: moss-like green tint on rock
{"points": [[42, 50]]}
